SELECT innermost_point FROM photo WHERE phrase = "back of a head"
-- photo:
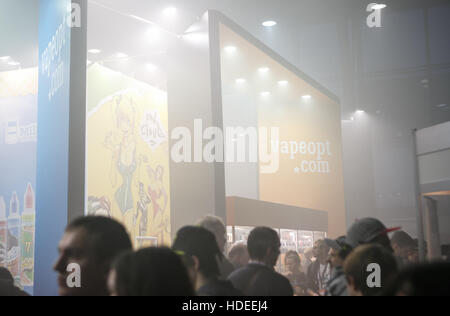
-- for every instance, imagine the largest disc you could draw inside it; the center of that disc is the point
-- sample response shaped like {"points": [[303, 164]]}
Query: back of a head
{"points": [[402, 239], [201, 243], [359, 266], [212, 223], [5, 275], [152, 272], [422, 280], [260, 240], [237, 250], [107, 237]]}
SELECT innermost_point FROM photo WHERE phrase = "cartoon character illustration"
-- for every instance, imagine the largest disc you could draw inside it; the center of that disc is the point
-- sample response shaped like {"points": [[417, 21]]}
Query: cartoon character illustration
{"points": [[159, 199], [142, 207], [121, 141], [128, 167], [126, 151], [99, 206]]}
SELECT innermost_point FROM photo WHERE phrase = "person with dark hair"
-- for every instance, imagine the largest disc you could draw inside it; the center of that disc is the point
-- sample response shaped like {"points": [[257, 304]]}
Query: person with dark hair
{"points": [[150, 272], [91, 243], [216, 226], [259, 278], [336, 257], [5, 275], [422, 280], [200, 253], [238, 255], [404, 247], [319, 272], [298, 279], [369, 269], [7, 287]]}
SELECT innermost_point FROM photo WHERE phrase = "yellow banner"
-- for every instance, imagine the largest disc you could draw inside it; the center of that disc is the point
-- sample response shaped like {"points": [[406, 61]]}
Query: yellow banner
{"points": [[128, 155]]}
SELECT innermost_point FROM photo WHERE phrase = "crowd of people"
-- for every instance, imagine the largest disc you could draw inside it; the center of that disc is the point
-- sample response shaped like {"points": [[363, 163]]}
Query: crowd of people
{"points": [[365, 262]]}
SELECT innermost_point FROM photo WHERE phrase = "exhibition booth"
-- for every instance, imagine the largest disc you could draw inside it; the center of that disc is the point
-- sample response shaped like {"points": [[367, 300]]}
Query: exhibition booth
{"points": [[128, 119], [433, 159]]}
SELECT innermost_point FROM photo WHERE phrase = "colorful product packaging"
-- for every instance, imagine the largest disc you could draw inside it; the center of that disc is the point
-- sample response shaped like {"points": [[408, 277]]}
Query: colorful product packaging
{"points": [[13, 239], [27, 238], [3, 232]]}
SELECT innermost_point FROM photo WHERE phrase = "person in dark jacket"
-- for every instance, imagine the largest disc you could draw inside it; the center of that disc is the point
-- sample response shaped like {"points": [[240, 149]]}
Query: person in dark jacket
{"points": [[200, 253], [259, 278], [319, 272]]}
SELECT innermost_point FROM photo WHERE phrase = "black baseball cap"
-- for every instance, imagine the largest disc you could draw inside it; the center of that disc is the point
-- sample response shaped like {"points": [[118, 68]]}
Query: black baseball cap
{"points": [[365, 231], [336, 244]]}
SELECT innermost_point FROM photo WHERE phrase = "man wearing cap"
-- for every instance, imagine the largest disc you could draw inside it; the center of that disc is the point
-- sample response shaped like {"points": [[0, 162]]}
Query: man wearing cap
{"points": [[339, 251], [369, 231]]}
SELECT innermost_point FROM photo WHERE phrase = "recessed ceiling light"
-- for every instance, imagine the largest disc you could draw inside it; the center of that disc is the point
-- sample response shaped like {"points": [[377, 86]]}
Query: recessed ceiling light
{"points": [[269, 23], [379, 6], [283, 82], [241, 81], [154, 33], [151, 67], [263, 69], [230, 49], [170, 12], [14, 63], [265, 94], [4, 58], [360, 111], [121, 55], [94, 51], [306, 97]]}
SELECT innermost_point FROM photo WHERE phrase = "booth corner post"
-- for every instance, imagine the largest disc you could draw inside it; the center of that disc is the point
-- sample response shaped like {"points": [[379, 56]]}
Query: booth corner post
{"points": [[198, 187], [60, 187], [419, 202]]}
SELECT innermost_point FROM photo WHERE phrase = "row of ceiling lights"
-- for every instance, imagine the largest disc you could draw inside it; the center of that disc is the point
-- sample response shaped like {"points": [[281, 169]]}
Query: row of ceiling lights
{"points": [[154, 32], [9, 61], [121, 57], [265, 94], [262, 71]]}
